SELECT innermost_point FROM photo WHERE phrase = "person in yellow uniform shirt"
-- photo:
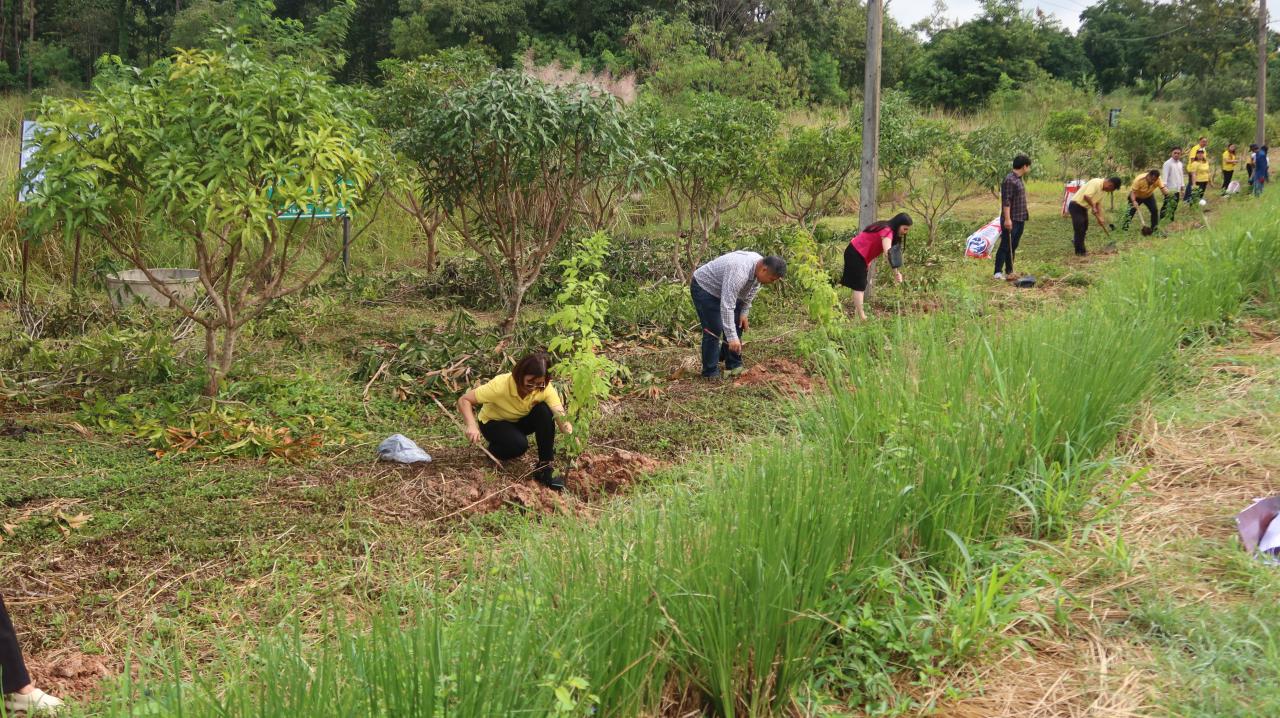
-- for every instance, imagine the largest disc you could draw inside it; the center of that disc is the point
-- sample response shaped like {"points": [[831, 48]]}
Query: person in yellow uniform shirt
{"points": [[1089, 197], [1198, 172], [1229, 163], [1143, 192], [513, 406], [1201, 146]]}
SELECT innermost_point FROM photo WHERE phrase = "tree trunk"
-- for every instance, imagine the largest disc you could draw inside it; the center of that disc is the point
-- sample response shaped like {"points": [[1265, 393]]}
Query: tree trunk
{"points": [[211, 360], [75, 264], [31, 36], [515, 299]]}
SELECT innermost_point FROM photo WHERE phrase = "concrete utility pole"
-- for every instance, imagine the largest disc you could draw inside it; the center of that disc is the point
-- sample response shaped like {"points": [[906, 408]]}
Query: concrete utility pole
{"points": [[1260, 135], [871, 124], [871, 116]]}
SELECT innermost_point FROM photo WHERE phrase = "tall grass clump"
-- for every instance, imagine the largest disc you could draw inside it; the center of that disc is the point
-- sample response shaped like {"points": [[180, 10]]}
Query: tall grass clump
{"points": [[713, 593]]}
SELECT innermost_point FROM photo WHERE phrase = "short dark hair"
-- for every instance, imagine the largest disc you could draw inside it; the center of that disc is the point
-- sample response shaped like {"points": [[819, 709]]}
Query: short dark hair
{"points": [[775, 264], [1253, 147], [537, 365], [1021, 161], [1175, 148], [1264, 148], [1153, 173], [1203, 137], [1115, 182]]}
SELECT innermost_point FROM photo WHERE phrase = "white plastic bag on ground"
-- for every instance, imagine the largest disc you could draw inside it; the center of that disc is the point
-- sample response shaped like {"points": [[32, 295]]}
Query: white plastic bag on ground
{"points": [[401, 449], [982, 243]]}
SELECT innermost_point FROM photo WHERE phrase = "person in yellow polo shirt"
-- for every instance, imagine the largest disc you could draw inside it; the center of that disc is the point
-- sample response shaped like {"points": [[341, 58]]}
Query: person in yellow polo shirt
{"points": [[1143, 192], [1089, 197], [1230, 161], [514, 405], [1198, 173]]}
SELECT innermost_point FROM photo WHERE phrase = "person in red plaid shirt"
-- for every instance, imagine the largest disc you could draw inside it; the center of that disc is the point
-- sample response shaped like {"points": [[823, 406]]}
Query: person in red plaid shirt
{"points": [[1013, 215]]}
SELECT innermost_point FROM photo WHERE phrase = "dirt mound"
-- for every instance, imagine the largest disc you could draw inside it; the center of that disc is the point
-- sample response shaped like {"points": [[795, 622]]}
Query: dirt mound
{"points": [[608, 472], [781, 373], [68, 674]]}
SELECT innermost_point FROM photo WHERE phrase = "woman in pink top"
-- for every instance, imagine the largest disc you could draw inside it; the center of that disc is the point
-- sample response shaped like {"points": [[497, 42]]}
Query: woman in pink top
{"points": [[873, 241]]}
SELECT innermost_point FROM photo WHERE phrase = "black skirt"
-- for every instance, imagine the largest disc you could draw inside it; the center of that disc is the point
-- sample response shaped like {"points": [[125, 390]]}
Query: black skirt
{"points": [[855, 270]]}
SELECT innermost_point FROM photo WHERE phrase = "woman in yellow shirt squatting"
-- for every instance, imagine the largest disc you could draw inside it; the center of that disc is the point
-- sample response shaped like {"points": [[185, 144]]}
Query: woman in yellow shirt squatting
{"points": [[1143, 192], [1230, 161], [513, 406]]}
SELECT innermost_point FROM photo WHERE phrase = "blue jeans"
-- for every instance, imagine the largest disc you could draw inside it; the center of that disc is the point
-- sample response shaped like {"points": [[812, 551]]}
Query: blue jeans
{"points": [[1009, 239], [714, 348], [1257, 188]]}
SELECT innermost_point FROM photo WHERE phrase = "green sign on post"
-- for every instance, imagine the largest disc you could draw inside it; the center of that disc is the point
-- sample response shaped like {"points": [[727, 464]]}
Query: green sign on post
{"points": [[294, 212]]}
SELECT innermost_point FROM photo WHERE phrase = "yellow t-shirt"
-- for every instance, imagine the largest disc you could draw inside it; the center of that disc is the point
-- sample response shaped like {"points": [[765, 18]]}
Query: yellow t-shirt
{"points": [[1143, 188], [1200, 170], [499, 400], [1090, 193], [1229, 161], [1190, 154]]}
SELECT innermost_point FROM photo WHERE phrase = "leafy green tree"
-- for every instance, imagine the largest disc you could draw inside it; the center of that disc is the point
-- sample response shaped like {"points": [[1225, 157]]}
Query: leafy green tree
{"points": [[1234, 125], [991, 151], [407, 88], [942, 175], [1142, 143], [1075, 134], [194, 24], [808, 169], [897, 145], [205, 150], [427, 26], [717, 149], [962, 66], [508, 159], [672, 60], [1107, 36]]}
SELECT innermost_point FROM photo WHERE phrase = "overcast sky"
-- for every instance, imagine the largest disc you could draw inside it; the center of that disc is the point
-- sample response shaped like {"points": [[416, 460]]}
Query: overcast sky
{"points": [[910, 11]]}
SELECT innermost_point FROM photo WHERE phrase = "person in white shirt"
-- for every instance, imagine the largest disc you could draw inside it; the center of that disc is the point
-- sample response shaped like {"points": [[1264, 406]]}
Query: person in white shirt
{"points": [[1173, 174]]}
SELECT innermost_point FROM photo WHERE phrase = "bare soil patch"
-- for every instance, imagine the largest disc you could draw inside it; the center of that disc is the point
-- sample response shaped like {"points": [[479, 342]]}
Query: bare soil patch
{"points": [[69, 673], [784, 374]]}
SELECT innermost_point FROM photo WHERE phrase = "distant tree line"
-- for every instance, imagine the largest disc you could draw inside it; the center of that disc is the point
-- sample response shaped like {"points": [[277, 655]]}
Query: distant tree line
{"points": [[790, 52]]}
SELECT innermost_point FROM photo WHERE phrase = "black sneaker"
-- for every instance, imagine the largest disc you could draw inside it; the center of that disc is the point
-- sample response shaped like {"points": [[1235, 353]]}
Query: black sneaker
{"points": [[545, 476]]}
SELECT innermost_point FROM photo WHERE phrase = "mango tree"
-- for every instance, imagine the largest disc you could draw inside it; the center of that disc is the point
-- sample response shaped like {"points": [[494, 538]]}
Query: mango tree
{"points": [[808, 169], [508, 159], [716, 148], [1076, 135], [944, 173], [408, 86], [203, 151]]}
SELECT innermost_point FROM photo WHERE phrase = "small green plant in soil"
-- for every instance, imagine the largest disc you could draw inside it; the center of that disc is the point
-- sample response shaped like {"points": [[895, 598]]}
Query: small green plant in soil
{"points": [[579, 318]]}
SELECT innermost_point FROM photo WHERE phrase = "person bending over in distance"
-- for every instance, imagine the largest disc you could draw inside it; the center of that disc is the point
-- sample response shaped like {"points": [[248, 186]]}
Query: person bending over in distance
{"points": [[19, 695], [876, 239], [1261, 171], [1013, 214], [1143, 192], [513, 406], [722, 291], [1089, 197], [1230, 161], [1173, 175], [1198, 173]]}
